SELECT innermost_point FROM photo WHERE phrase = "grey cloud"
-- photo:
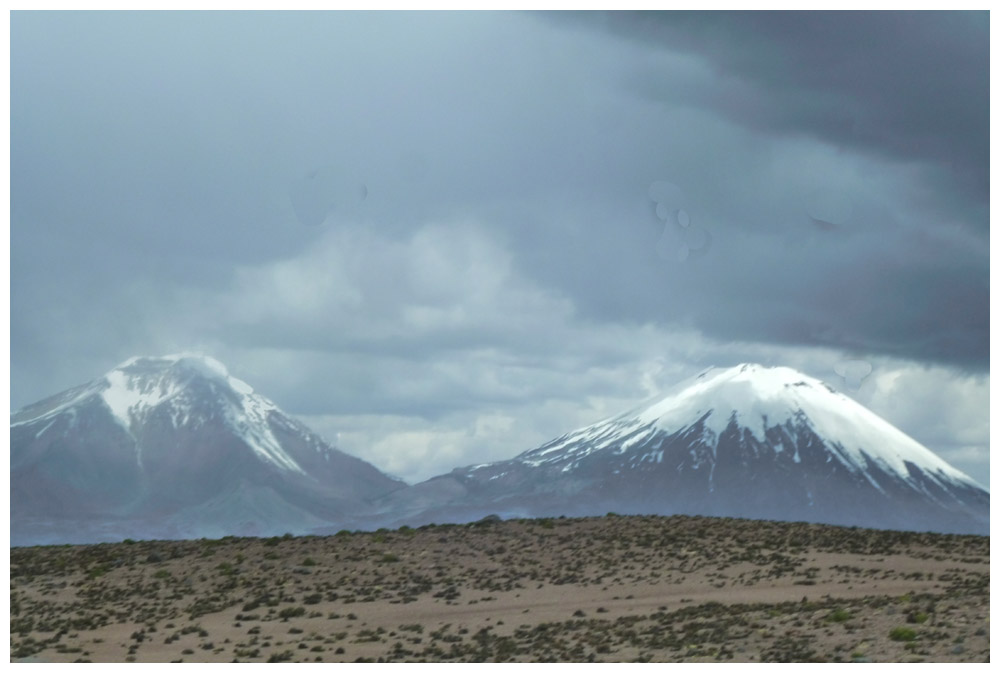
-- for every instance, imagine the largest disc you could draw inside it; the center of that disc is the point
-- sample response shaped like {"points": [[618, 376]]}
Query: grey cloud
{"points": [[910, 85], [507, 226], [882, 283], [178, 164]]}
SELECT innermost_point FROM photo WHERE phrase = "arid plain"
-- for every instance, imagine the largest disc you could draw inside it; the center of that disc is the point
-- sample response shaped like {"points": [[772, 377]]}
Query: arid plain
{"points": [[605, 589]]}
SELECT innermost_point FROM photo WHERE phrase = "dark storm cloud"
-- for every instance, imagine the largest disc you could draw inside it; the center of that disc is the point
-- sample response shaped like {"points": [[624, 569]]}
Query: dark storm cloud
{"points": [[905, 93], [903, 286], [909, 85], [153, 150]]}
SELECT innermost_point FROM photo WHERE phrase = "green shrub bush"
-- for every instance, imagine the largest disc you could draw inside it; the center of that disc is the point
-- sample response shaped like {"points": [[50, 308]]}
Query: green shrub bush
{"points": [[902, 634]]}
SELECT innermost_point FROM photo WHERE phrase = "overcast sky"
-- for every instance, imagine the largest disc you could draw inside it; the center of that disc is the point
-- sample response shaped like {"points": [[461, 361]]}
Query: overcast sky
{"points": [[443, 239]]}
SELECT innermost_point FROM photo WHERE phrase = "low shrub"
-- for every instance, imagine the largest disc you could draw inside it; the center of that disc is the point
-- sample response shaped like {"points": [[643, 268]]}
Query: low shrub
{"points": [[838, 615], [902, 634]]}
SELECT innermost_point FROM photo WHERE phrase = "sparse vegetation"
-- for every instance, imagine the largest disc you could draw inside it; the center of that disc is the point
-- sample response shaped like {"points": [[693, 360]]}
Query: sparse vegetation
{"points": [[628, 588]]}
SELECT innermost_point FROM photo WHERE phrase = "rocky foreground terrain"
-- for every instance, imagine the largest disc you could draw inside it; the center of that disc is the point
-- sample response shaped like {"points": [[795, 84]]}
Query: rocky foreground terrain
{"points": [[606, 589]]}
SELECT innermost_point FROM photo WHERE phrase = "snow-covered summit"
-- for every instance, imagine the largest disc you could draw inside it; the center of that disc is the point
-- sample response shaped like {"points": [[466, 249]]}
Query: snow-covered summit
{"points": [[746, 441], [179, 443], [757, 398], [191, 387], [178, 365], [142, 383]]}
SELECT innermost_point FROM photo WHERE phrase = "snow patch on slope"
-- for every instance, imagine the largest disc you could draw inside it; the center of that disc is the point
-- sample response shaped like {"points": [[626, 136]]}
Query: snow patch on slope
{"points": [[126, 396], [253, 425]]}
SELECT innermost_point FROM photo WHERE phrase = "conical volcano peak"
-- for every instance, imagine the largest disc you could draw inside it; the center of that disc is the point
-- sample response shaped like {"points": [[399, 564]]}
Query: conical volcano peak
{"points": [[163, 361], [749, 441], [755, 398], [764, 379], [141, 383], [176, 441], [180, 365], [748, 389]]}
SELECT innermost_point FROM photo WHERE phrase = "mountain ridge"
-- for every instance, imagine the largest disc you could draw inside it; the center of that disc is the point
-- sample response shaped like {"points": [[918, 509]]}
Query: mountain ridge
{"points": [[746, 441], [174, 446], [159, 436], [665, 410]]}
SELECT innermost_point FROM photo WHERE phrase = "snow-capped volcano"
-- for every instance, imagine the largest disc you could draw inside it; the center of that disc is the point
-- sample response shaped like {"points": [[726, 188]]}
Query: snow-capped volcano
{"points": [[747, 441], [755, 399], [176, 385], [175, 447]]}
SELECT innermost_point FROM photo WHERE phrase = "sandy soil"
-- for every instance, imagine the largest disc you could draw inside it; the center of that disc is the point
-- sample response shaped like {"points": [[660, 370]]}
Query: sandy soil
{"points": [[608, 589]]}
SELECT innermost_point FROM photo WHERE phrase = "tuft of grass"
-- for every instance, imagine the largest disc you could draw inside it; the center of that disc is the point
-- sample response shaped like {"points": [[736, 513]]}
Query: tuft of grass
{"points": [[279, 657], [839, 615], [288, 613], [902, 634]]}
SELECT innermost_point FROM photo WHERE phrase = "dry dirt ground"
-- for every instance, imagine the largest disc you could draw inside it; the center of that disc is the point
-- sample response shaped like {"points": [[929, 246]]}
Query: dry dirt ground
{"points": [[611, 589]]}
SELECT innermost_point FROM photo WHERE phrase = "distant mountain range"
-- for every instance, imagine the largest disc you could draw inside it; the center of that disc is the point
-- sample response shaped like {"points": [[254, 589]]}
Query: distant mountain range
{"points": [[175, 447]]}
